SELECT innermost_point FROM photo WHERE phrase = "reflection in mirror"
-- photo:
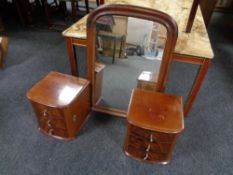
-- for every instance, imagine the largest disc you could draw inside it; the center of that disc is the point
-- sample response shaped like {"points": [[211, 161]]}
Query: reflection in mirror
{"points": [[128, 55]]}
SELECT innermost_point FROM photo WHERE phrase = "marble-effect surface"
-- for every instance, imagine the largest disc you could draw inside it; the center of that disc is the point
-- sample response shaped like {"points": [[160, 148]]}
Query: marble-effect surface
{"points": [[195, 44]]}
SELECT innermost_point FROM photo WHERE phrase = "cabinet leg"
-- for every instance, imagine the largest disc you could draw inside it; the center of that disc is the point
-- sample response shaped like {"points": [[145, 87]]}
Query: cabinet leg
{"points": [[114, 51], [72, 57], [196, 86]]}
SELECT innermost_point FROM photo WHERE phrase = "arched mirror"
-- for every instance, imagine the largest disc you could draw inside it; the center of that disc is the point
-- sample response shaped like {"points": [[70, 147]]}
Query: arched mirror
{"points": [[127, 50]]}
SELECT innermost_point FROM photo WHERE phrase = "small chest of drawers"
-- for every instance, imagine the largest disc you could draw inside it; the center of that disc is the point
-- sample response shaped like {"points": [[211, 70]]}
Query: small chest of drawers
{"points": [[61, 103], [155, 121]]}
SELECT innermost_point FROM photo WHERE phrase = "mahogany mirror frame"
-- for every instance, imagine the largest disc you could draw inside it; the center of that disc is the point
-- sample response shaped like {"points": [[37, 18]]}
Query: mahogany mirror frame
{"points": [[137, 12]]}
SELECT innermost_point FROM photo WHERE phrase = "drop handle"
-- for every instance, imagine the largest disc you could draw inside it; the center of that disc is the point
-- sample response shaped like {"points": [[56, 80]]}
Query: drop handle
{"points": [[146, 157], [148, 148], [50, 131], [75, 118], [49, 123], [45, 112], [151, 138]]}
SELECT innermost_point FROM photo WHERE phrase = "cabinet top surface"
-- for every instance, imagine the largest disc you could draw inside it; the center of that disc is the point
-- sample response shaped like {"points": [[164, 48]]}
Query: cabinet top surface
{"points": [[57, 89], [99, 67], [195, 44], [148, 77], [156, 111]]}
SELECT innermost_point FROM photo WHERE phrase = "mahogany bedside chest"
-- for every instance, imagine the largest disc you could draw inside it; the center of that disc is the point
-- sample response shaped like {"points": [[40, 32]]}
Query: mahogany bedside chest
{"points": [[155, 121], [61, 103]]}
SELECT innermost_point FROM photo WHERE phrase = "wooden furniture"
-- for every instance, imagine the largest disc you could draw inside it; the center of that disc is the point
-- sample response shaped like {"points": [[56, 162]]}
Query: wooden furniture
{"points": [[192, 48], [1, 25], [47, 5], [155, 121], [192, 16], [24, 11], [224, 5], [3, 49], [114, 38], [75, 6], [147, 81], [207, 8], [61, 103], [99, 71], [119, 30], [136, 12]]}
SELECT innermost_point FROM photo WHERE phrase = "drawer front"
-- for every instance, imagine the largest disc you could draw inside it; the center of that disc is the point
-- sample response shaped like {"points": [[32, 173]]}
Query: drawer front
{"points": [[45, 111], [52, 122], [156, 157], [55, 131], [151, 136], [140, 144], [146, 156], [137, 153]]}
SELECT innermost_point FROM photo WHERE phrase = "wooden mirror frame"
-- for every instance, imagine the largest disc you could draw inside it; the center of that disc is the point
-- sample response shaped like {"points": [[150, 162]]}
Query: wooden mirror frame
{"points": [[137, 12]]}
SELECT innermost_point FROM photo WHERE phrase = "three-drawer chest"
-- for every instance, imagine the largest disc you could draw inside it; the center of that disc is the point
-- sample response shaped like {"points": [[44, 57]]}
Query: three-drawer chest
{"points": [[155, 120], [61, 103]]}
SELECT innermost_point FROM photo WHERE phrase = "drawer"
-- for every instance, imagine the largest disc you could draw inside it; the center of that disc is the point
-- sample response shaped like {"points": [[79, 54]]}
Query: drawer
{"points": [[151, 136], [45, 111], [51, 122], [135, 152], [148, 146], [55, 131], [147, 156]]}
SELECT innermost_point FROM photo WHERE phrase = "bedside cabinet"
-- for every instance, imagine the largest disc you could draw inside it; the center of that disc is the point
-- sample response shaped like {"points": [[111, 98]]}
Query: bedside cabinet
{"points": [[155, 121], [61, 104]]}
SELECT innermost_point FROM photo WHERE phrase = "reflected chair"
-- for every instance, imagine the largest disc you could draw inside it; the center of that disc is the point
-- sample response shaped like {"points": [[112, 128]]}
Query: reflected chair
{"points": [[105, 32]]}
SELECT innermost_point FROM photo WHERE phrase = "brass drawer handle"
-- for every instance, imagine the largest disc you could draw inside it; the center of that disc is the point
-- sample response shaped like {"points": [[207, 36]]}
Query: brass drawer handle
{"points": [[146, 157], [148, 148], [49, 123], [45, 112], [74, 118], [151, 138], [50, 131]]}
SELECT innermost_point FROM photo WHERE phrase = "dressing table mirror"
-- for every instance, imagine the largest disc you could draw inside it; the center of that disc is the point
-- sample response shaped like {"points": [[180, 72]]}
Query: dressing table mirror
{"points": [[122, 55]]}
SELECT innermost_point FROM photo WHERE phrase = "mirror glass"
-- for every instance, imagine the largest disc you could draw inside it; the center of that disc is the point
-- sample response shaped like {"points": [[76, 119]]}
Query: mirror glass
{"points": [[128, 55]]}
